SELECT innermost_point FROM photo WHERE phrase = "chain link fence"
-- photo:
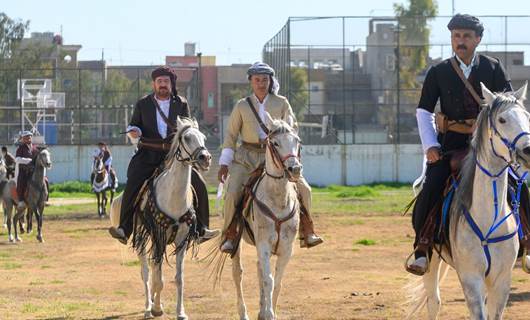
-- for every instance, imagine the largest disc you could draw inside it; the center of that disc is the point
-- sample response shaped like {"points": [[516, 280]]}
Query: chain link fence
{"points": [[78, 106], [355, 80]]}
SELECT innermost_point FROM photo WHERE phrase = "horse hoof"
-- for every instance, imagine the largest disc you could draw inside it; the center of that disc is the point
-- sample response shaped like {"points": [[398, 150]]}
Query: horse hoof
{"points": [[39, 237], [157, 313], [17, 239], [29, 231], [182, 317], [11, 239], [148, 315]]}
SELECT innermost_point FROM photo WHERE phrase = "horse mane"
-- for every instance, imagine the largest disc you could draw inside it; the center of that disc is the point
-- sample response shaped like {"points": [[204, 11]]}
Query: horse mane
{"points": [[479, 146], [280, 126]]}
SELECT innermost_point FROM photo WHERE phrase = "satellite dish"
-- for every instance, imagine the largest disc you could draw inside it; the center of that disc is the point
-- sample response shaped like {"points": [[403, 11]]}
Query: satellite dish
{"points": [[67, 58]]}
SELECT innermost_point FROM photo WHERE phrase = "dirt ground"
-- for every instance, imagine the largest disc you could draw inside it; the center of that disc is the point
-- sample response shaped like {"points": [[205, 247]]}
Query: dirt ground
{"points": [[81, 273]]}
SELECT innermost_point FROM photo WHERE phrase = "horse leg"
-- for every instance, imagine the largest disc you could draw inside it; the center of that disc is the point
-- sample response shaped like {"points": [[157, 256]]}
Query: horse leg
{"points": [[16, 221], [431, 283], [281, 264], [237, 275], [9, 213], [498, 293], [40, 215], [29, 220], [264, 255], [179, 281], [157, 285], [147, 286], [475, 292], [99, 203], [21, 221]]}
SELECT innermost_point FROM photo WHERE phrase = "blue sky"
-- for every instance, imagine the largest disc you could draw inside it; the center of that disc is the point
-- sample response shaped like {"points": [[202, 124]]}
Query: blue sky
{"points": [[144, 32]]}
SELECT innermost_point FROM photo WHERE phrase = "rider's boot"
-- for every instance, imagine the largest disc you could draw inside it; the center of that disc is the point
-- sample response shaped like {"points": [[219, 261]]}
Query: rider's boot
{"points": [[228, 245], [308, 238]]}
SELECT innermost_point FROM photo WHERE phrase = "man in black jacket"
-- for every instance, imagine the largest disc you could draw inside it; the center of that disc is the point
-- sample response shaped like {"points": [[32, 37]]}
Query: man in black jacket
{"points": [[148, 125], [460, 109]]}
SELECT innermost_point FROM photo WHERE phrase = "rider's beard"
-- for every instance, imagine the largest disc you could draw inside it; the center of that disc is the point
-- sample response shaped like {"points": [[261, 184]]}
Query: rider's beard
{"points": [[163, 93]]}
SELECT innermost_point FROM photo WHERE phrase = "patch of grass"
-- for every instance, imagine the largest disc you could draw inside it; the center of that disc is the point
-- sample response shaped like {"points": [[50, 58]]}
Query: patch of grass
{"points": [[74, 189], [120, 293], [4, 255], [366, 242], [133, 263], [57, 282], [11, 265], [29, 308], [45, 267], [36, 283], [61, 211]]}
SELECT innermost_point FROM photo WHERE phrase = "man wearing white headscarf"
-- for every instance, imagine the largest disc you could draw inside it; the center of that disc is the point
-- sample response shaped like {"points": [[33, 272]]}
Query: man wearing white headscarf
{"points": [[241, 160]]}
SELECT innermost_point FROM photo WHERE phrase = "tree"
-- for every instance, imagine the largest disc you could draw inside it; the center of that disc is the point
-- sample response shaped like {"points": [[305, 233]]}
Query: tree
{"points": [[413, 49], [11, 33], [299, 95]]}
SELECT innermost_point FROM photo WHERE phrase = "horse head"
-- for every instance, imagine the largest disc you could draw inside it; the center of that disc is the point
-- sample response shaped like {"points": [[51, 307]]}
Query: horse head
{"points": [[284, 144], [508, 125], [188, 144], [98, 166], [44, 158]]}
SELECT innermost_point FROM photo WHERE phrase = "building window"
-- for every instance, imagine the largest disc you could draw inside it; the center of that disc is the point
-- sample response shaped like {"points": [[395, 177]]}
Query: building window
{"points": [[390, 62], [211, 103], [517, 62]]}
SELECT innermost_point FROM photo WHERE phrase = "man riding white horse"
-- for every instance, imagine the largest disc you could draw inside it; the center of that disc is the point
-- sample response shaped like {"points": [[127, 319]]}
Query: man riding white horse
{"points": [[153, 124], [455, 81], [241, 161], [103, 152]]}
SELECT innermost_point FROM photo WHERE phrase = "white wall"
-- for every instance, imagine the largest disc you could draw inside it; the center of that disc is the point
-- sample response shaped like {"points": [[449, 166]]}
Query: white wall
{"points": [[323, 164], [361, 164]]}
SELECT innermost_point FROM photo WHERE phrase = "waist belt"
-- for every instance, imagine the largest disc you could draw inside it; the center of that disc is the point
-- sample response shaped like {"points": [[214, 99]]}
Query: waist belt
{"points": [[443, 124], [258, 147], [155, 146]]}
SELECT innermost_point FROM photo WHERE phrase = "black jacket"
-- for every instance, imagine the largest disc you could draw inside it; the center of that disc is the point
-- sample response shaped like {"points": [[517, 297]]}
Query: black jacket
{"points": [[144, 117], [443, 83]]}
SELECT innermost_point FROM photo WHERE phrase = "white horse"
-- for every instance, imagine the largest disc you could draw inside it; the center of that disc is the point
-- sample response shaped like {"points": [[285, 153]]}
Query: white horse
{"points": [[483, 239], [100, 185], [173, 196], [273, 218]]}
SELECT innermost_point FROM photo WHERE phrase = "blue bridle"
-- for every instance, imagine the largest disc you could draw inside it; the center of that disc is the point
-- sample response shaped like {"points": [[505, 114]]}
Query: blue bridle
{"points": [[515, 195]]}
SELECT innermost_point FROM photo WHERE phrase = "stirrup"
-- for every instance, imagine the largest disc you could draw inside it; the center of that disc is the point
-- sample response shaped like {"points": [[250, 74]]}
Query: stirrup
{"points": [[415, 271], [523, 261]]}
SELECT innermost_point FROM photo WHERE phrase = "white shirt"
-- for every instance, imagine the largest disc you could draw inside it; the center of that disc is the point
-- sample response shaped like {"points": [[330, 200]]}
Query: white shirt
{"points": [[161, 124], [466, 69]]}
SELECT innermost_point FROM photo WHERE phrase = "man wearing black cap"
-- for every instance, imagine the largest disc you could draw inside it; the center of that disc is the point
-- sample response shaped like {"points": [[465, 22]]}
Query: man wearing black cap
{"points": [[149, 126], [450, 130]]}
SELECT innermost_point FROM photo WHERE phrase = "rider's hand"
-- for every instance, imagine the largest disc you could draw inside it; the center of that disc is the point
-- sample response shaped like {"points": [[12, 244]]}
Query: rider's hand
{"points": [[134, 134], [222, 173], [433, 155]]}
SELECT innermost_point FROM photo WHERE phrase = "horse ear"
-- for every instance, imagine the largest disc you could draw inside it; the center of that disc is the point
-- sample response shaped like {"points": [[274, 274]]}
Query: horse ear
{"points": [[179, 122], [487, 94], [195, 123], [521, 93], [268, 120]]}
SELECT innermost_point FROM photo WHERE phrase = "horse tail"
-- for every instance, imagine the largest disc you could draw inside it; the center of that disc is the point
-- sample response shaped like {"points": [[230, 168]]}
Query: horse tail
{"points": [[416, 293], [215, 260]]}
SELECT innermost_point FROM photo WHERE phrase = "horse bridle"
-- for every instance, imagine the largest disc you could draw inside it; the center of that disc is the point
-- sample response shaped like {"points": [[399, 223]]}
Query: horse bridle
{"points": [[182, 154], [97, 170], [510, 145], [277, 159]]}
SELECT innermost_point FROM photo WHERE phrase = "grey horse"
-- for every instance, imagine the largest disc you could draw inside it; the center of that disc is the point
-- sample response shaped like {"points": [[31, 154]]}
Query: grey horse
{"points": [[36, 196]]}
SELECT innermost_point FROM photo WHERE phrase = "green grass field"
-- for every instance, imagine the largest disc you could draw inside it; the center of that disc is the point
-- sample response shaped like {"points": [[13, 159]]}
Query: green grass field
{"points": [[385, 198]]}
